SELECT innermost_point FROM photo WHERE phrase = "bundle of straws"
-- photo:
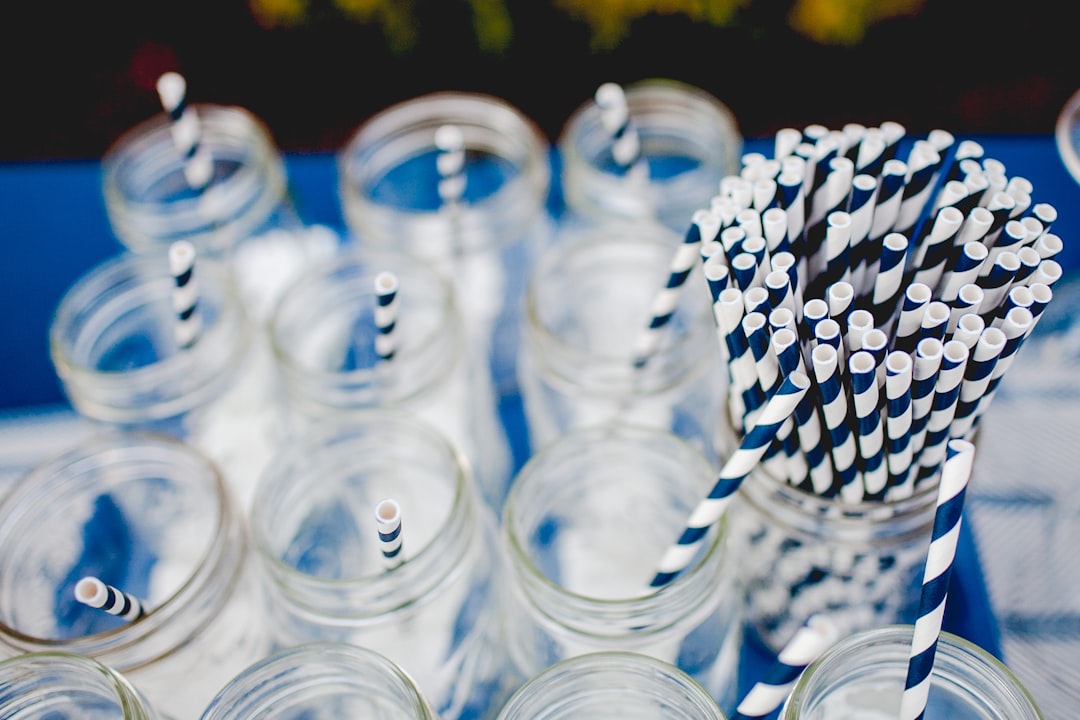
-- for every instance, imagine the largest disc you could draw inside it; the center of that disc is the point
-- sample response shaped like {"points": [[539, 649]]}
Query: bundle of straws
{"points": [[900, 274]]}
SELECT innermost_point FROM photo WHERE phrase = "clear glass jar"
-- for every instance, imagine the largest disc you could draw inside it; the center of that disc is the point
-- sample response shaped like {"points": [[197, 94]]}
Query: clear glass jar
{"points": [[315, 531], [588, 301], [801, 554], [585, 525], [244, 216], [862, 678], [388, 183], [622, 685], [58, 686], [323, 336], [150, 516], [321, 680], [113, 345], [689, 140]]}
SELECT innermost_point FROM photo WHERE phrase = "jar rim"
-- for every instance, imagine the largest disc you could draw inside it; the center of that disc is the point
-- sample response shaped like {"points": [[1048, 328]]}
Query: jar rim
{"points": [[131, 703]]}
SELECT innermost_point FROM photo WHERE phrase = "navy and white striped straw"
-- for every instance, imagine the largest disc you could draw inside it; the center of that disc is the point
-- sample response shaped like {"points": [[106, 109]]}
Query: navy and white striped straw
{"points": [[617, 122], [450, 164], [386, 305], [388, 521], [898, 454], [96, 594], [186, 129], [777, 411], [871, 436], [834, 413], [948, 518], [185, 294]]}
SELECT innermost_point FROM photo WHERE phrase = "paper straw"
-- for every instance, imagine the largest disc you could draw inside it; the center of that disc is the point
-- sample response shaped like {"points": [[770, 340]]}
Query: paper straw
{"points": [[809, 642], [388, 521], [946, 393], [1019, 296], [1048, 246], [861, 209], [976, 225], [93, 592], [997, 280], [871, 438], [386, 288], [964, 271], [1016, 326], [741, 463], [450, 163], [1045, 213], [888, 276], [774, 226], [757, 300], [935, 321], [185, 294], [898, 454], [814, 311], [746, 389], [1041, 295], [778, 285], [924, 374], [756, 330], [932, 255], [869, 158], [948, 518], [906, 336], [834, 412], [616, 120], [967, 302], [764, 194], [837, 250], [965, 150], [859, 323], [704, 225], [1048, 273], [984, 356], [890, 193], [785, 262], [923, 163], [186, 130], [785, 141], [840, 296], [969, 329], [827, 332]]}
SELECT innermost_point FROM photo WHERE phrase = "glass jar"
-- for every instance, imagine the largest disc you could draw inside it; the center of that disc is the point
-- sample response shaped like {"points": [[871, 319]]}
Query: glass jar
{"points": [[862, 677], [243, 216], [321, 680], [802, 554], [323, 336], [318, 543], [584, 527], [612, 685], [689, 141], [484, 244], [150, 516], [58, 686], [113, 345], [588, 302]]}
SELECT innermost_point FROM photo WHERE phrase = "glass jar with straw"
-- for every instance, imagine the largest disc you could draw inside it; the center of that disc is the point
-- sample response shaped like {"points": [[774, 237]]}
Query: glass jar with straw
{"points": [[139, 347], [342, 343], [61, 685], [461, 180], [612, 684], [586, 522], [148, 520], [682, 142], [320, 680], [238, 210], [862, 677], [418, 584], [589, 311]]}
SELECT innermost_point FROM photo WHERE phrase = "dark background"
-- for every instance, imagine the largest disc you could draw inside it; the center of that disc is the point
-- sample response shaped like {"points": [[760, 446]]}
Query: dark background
{"points": [[79, 74]]}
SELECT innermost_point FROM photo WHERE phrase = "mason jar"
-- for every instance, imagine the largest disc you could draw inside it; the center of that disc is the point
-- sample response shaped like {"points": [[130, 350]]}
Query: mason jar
{"points": [[802, 554], [584, 527], [244, 215], [320, 680], [485, 241], [151, 517], [588, 302], [324, 334], [689, 142], [862, 677], [612, 685], [114, 346], [318, 543], [59, 686]]}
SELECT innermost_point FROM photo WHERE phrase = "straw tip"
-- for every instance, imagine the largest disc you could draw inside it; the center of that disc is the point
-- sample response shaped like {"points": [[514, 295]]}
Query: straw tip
{"points": [[90, 590], [449, 138], [609, 95], [181, 255], [171, 88], [386, 282], [387, 511]]}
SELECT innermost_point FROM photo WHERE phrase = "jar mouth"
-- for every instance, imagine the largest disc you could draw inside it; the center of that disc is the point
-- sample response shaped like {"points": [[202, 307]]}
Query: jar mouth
{"points": [[615, 271], [155, 513], [538, 510], [309, 673], [388, 179], [313, 519], [150, 202], [60, 677], [323, 332], [113, 342]]}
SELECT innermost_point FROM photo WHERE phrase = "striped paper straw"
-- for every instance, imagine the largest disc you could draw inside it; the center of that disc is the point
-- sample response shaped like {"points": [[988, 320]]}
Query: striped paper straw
{"points": [[871, 438], [984, 357], [965, 270], [861, 209], [997, 280], [834, 412], [746, 389], [969, 328], [887, 203], [785, 141], [888, 276], [906, 335], [923, 164], [185, 294], [869, 158], [898, 454], [742, 462], [704, 226], [946, 393], [450, 163], [757, 300], [94, 593], [809, 642], [386, 305], [948, 518], [924, 373], [966, 303], [186, 130], [932, 254], [615, 117], [774, 226], [388, 521]]}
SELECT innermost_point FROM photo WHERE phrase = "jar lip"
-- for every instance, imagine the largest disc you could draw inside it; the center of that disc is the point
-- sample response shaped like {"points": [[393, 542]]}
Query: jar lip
{"points": [[111, 446], [264, 679], [687, 584], [426, 567], [345, 271], [805, 498], [221, 348], [87, 667]]}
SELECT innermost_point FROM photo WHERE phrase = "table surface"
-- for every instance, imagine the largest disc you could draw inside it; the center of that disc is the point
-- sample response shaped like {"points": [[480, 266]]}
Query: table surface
{"points": [[1018, 589]]}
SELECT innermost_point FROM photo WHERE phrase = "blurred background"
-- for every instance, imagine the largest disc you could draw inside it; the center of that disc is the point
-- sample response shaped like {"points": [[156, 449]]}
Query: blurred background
{"points": [[77, 74]]}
